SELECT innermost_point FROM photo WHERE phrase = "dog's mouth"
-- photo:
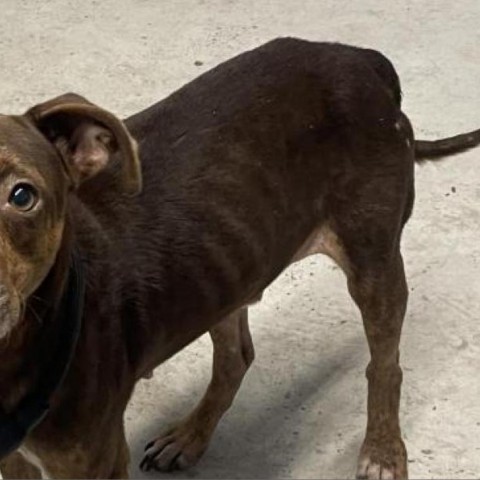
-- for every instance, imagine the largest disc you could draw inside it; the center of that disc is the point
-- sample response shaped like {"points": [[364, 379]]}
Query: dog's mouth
{"points": [[10, 312]]}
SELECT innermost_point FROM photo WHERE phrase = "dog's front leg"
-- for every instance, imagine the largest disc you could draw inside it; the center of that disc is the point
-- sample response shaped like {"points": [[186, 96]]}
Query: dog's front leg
{"points": [[98, 453], [182, 446]]}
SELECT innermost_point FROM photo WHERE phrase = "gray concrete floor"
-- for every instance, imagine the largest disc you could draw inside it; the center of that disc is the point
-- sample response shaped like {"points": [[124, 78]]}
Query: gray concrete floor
{"points": [[301, 410]]}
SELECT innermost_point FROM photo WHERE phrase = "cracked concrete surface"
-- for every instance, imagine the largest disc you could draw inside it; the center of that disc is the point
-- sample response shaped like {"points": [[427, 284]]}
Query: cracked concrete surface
{"points": [[301, 410]]}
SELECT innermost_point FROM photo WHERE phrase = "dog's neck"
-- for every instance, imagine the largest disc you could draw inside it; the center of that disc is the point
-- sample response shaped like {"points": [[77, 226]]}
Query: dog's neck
{"points": [[25, 348], [16, 425], [16, 372]]}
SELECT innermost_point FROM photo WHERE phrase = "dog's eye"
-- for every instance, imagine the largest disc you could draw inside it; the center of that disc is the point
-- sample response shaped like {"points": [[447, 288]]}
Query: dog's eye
{"points": [[23, 197]]}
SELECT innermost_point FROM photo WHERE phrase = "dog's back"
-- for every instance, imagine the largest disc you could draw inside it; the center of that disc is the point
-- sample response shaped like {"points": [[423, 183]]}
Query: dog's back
{"points": [[239, 167]]}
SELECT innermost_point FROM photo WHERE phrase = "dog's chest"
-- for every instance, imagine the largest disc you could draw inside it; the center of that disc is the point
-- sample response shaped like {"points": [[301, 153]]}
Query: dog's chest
{"points": [[34, 460]]}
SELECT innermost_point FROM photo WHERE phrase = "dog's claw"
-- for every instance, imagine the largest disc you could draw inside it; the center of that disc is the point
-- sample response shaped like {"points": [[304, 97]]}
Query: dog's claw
{"points": [[162, 456], [148, 446], [145, 464], [179, 449], [382, 462], [375, 472]]}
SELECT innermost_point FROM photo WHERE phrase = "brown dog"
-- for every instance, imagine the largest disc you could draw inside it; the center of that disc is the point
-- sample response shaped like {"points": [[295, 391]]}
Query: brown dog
{"points": [[291, 149]]}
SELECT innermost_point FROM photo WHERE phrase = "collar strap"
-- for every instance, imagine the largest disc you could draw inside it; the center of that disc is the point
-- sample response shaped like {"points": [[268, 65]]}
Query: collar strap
{"points": [[15, 426]]}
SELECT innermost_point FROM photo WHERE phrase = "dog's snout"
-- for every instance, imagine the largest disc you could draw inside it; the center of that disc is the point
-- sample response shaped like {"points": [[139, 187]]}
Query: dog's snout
{"points": [[4, 300], [9, 310]]}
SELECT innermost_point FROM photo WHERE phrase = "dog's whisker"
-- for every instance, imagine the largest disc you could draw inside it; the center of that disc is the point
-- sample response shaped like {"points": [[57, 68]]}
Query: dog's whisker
{"points": [[35, 314], [39, 299]]}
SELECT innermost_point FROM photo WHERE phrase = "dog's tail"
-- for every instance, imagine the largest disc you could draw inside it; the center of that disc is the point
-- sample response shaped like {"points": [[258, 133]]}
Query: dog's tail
{"points": [[437, 149]]}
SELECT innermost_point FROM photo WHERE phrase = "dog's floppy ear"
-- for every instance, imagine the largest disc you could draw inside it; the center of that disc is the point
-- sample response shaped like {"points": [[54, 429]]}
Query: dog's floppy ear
{"points": [[87, 137]]}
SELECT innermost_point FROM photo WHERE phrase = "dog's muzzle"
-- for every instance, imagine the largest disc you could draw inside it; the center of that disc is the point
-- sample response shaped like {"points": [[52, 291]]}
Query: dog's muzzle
{"points": [[9, 311]]}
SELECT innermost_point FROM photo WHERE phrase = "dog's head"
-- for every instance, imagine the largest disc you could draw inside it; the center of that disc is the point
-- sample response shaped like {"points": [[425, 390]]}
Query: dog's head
{"points": [[44, 155]]}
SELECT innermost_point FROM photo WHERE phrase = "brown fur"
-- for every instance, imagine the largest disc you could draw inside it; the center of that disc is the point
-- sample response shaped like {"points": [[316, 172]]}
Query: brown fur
{"points": [[291, 149]]}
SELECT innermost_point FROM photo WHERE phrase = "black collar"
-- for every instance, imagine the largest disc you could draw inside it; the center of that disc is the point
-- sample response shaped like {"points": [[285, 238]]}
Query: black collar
{"points": [[15, 426]]}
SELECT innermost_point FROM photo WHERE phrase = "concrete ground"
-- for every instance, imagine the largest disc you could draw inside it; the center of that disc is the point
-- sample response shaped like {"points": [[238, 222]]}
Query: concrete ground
{"points": [[301, 410]]}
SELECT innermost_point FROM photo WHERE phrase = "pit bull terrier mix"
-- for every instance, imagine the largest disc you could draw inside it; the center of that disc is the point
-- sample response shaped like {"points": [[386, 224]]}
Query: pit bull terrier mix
{"points": [[291, 149]]}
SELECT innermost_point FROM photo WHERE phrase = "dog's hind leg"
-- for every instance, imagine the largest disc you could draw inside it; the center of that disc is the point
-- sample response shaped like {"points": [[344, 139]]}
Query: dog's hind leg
{"points": [[380, 292], [183, 445], [370, 256]]}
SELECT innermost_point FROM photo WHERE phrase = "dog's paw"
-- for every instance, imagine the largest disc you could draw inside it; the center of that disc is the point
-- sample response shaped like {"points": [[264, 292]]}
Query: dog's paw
{"points": [[382, 461], [179, 449]]}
